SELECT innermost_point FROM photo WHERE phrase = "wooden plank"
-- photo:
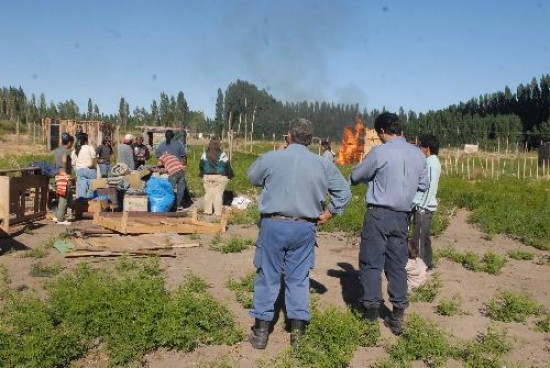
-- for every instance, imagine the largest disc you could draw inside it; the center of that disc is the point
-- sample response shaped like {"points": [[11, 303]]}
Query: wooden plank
{"points": [[108, 253], [5, 203]]}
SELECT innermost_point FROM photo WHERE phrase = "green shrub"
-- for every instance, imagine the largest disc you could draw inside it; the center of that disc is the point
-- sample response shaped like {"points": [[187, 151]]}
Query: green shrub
{"points": [[487, 350], [235, 244], [490, 263], [39, 269], [450, 307], [30, 336], [521, 255], [427, 291], [132, 312], [249, 217], [493, 263], [508, 306], [38, 252], [331, 338], [543, 325], [421, 340], [243, 288]]}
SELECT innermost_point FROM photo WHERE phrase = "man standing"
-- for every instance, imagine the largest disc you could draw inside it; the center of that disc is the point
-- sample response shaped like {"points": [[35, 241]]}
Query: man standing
{"points": [[292, 203], [176, 175], [176, 149], [394, 172], [104, 152], [125, 152], [425, 203]]}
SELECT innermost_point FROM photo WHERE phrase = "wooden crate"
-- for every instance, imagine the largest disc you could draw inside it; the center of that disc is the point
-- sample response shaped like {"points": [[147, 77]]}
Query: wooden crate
{"points": [[23, 199], [135, 203]]}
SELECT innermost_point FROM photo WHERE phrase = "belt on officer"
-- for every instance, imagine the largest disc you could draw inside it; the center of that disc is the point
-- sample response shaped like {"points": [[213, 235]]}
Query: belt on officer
{"points": [[285, 217]]}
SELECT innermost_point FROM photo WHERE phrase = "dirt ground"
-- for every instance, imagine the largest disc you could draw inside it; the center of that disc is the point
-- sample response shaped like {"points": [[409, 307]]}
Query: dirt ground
{"points": [[335, 280]]}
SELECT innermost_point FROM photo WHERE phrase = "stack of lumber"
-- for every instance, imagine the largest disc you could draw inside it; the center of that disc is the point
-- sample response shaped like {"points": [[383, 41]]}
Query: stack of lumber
{"points": [[113, 245]]}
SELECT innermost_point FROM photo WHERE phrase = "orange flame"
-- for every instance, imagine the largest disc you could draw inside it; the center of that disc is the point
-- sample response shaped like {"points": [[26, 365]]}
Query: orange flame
{"points": [[353, 143]]}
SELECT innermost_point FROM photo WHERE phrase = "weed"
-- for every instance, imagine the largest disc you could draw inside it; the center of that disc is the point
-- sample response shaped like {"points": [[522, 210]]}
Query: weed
{"points": [[132, 312], [543, 260], [243, 289], [427, 291], [38, 252], [195, 236], [450, 307], [235, 244], [4, 280], [249, 217], [39, 269], [470, 261], [490, 263], [330, 340], [521, 255], [487, 349], [543, 325], [493, 263], [421, 340], [508, 306], [50, 242], [31, 337]]}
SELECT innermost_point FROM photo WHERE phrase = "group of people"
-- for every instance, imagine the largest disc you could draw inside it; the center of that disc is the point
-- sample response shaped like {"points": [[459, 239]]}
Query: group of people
{"points": [[401, 180], [89, 163]]}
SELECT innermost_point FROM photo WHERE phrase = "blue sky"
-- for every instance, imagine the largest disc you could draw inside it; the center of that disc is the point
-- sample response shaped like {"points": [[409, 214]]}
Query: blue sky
{"points": [[421, 55]]}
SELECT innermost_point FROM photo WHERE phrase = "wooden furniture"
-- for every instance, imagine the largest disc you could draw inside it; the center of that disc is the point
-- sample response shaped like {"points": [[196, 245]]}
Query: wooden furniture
{"points": [[23, 197]]}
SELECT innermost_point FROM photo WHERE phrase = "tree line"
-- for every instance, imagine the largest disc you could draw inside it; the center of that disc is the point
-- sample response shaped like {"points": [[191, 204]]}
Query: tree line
{"points": [[497, 119]]}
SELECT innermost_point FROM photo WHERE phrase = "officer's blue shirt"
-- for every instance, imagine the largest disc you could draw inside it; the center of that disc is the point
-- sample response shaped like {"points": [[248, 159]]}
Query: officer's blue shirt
{"points": [[394, 172], [296, 182]]}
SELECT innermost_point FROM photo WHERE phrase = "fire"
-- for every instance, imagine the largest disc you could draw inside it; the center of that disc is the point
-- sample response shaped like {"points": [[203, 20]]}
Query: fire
{"points": [[353, 143]]}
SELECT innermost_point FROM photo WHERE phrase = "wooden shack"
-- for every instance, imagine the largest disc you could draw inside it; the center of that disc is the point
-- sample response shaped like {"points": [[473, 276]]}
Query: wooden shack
{"points": [[154, 135], [97, 130]]}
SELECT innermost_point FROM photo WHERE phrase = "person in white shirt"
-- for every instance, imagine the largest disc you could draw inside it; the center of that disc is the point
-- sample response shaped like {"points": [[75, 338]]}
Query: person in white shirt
{"points": [[84, 160]]}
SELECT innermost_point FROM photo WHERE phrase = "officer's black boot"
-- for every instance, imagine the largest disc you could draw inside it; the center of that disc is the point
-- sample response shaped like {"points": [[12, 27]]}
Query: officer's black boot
{"points": [[395, 321], [371, 314], [260, 334], [297, 330]]}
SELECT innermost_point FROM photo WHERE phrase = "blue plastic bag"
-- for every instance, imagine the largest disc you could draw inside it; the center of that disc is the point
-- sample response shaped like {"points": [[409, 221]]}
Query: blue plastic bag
{"points": [[160, 194]]}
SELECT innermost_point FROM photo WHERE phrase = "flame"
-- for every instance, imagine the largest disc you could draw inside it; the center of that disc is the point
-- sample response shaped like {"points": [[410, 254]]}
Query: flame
{"points": [[353, 142]]}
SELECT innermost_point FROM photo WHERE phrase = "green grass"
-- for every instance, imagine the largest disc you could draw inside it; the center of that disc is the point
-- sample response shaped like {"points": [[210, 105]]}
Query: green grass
{"points": [[39, 269], [330, 341], [521, 255], [128, 310], [490, 263], [487, 350], [243, 288], [543, 325], [38, 252], [450, 307], [421, 340], [427, 291], [509, 306], [235, 244], [249, 217], [511, 206]]}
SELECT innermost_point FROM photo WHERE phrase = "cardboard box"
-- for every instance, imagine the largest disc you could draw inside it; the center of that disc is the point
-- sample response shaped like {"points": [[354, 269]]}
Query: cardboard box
{"points": [[135, 203]]}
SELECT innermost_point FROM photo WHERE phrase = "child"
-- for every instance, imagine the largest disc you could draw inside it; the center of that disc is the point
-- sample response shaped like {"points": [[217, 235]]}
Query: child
{"points": [[63, 191]]}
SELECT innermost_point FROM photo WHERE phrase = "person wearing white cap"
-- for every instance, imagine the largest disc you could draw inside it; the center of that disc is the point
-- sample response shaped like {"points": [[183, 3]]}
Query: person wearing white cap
{"points": [[125, 152]]}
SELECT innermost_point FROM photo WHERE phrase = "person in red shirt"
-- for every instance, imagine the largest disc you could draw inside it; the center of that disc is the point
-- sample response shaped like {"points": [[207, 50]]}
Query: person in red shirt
{"points": [[176, 174]]}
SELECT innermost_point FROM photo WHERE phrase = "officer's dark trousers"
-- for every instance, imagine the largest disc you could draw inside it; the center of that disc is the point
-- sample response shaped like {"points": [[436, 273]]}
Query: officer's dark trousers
{"points": [[384, 247], [283, 245]]}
